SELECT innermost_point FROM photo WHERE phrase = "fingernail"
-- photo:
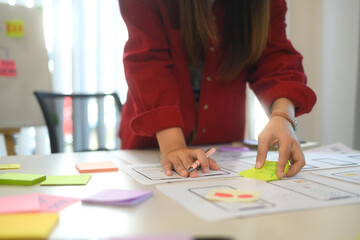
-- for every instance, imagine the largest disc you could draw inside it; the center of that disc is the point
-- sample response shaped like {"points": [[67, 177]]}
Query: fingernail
{"points": [[184, 173], [257, 165], [206, 169], [281, 174], [168, 172]]}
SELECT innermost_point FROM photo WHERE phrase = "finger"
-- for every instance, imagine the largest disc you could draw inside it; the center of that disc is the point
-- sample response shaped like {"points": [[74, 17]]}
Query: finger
{"points": [[213, 164], [180, 168], [298, 160], [263, 147], [194, 173], [284, 153], [167, 167], [199, 154]]}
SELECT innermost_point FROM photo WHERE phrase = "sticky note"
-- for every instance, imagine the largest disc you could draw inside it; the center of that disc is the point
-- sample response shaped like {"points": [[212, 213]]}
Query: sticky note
{"points": [[35, 202], [266, 173], [21, 179], [15, 28], [119, 197], [89, 167], [9, 166], [27, 225], [223, 195], [66, 180], [19, 204], [8, 68]]}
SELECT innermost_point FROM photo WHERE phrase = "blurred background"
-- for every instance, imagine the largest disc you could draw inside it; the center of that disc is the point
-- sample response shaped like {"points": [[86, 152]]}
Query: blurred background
{"points": [[85, 39]]}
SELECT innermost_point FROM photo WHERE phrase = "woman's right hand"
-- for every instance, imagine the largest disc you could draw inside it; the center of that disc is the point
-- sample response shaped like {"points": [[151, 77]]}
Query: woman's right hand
{"points": [[181, 160], [175, 155]]}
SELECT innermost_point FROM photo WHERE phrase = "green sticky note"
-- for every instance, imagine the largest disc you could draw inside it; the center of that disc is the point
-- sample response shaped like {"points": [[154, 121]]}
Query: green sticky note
{"points": [[66, 180], [266, 173], [9, 166], [21, 179], [15, 28]]}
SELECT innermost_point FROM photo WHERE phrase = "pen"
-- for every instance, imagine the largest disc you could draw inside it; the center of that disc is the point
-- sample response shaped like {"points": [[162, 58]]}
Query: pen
{"points": [[196, 164]]}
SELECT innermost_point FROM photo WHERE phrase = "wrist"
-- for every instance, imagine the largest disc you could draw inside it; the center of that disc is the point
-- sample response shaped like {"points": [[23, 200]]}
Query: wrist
{"points": [[170, 139], [292, 121]]}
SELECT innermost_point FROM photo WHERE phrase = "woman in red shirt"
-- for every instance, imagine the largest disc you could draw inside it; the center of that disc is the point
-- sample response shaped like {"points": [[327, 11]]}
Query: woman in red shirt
{"points": [[187, 64]]}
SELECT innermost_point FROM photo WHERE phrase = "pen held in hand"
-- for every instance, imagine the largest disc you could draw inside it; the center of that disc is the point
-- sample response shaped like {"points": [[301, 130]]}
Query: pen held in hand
{"points": [[196, 164]]}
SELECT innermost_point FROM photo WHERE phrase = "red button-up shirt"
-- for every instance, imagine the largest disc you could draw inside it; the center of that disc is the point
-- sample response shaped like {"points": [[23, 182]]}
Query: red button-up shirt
{"points": [[160, 95]]}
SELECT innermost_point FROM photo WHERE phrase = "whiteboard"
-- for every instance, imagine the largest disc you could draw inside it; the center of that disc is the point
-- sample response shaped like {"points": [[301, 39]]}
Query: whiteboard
{"points": [[18, 105]]}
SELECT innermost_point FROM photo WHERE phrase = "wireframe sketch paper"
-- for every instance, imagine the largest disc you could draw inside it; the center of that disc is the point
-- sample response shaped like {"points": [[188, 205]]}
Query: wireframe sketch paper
{"points": [[153, 174], [119, 197], [338, 147], [344, 174], [304, 191]]}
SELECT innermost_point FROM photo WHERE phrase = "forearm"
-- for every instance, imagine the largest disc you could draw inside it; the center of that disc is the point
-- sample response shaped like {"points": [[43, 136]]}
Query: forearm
{"points": [[170, 139]]}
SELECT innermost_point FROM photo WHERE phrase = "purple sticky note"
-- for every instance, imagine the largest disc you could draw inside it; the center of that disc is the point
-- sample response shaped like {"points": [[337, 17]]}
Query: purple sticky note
{"points": [[234, 149], [119, 197]]}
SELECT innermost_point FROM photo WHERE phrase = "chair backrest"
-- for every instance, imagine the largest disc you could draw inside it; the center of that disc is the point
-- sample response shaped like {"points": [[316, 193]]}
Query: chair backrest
{"points": [[81, 122]]}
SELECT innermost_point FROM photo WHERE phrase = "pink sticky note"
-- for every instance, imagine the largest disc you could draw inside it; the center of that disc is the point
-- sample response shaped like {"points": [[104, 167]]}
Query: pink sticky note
{"points": [[7, 68], [89, 167], [21, 203], [35, 203], [52, 203]]}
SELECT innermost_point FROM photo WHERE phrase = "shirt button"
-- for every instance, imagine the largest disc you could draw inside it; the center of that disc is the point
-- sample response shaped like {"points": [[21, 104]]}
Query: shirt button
{"points": [[205, 106], [212, 48], [203, 130], [208, 78]]}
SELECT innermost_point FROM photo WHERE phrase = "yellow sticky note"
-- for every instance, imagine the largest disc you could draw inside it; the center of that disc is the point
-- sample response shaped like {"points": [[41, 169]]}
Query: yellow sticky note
{"points": [[9, 166], [223, 195], [27, 225], [15, 28], [266, 173]]}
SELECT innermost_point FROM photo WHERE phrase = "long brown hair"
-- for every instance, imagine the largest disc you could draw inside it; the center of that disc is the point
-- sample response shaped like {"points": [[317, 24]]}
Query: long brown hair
{"points": [[244, 36]]}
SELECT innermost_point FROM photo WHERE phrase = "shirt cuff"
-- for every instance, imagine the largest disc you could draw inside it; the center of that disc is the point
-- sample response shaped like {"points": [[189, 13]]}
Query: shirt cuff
{"points": [[150, 122], [300, 95]]}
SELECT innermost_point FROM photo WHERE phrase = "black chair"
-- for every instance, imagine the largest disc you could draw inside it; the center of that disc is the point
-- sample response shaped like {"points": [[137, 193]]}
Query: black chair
{"points": [[81, 122]]}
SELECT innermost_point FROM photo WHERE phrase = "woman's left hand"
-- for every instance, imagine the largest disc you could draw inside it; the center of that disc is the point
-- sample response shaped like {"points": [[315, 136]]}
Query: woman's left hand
{"points": [[279, 131]]}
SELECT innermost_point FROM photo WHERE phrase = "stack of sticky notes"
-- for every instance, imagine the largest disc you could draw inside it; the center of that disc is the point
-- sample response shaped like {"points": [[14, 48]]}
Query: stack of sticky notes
{"points": [[66, 180], [266, 173], [119, 197], [34, 202], [90, 167], [21, 179], [27, 225], [9, 166]]}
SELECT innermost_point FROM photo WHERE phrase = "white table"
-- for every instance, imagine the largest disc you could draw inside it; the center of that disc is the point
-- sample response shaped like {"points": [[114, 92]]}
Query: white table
{"points": [[160, 215]]}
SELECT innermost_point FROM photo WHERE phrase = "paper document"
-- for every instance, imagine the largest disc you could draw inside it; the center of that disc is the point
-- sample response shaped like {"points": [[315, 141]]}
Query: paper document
{"points": [[153, 174], [304, 191], [344, 174]]}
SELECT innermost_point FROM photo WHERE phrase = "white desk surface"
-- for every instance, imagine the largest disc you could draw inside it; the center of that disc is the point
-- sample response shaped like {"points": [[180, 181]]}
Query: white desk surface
{"points": [[160, 215]]}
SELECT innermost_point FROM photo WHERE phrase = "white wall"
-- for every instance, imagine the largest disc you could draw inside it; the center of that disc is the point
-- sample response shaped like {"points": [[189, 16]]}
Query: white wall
{"points": [[326, 32]]}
